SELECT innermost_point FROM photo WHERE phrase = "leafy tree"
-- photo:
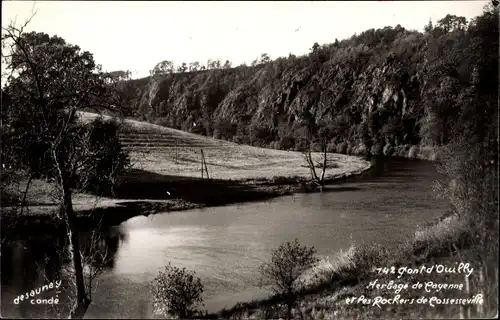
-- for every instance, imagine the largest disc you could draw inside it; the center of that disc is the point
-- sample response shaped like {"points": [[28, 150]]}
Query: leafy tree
{"points": [[163, 67], [227, 64], [264, 58], [182, 68], [452, 22], [194, 66], [287, 143], [211, 64], [120, 75], [315, 47], [288, 263], [177, 292], [428, 27], [217, 64], [50, 80], [224, 129]]}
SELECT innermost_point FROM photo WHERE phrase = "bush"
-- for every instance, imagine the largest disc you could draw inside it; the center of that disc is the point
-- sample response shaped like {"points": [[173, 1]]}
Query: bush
{"points": [[288, 263], [225, 129], [177, 292], [163, 121], [110, 159], [349, 149], [287, 143], [301, 144], [342, 148], [377, 149], [317, 147], [413, 153], [366, 257], [388, 149], [331, 147], [274, 145]]}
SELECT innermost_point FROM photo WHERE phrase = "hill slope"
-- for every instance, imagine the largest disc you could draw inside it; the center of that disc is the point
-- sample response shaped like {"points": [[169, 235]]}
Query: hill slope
{"points": [[173, 152]]}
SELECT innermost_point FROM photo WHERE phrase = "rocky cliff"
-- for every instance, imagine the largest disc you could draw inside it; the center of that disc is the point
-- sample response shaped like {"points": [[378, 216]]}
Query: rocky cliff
{"points": [[385, 91]]}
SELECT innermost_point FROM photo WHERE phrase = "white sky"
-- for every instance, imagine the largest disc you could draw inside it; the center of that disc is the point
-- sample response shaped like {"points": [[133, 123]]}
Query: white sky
{"points": [[135, 35]]}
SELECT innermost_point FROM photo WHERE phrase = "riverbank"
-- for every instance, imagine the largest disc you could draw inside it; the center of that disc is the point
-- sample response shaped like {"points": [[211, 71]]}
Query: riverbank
{"points": [[346, 286], [146, 193], [428, 153], [165, 176]]}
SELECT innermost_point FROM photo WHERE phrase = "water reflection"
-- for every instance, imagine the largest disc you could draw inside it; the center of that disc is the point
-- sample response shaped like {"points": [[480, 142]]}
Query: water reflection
{"points": [[38, 260]]}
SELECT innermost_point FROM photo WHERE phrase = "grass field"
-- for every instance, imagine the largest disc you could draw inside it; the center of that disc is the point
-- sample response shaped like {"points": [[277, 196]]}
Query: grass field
{"points": [[173, 152], [165, 159]]}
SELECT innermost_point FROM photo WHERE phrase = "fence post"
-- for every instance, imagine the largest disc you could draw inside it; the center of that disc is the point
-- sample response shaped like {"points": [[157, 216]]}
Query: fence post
{"points": [[204, 163], [201, 162]]}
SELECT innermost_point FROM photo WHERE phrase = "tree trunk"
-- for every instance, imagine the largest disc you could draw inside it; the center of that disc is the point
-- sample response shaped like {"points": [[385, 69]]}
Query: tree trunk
{"points": [[289, 305], [324, 163], [82, 301]]}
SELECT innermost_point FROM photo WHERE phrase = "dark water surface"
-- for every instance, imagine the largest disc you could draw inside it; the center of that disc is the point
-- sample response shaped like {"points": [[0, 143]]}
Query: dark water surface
{"points": [[225, 245]]}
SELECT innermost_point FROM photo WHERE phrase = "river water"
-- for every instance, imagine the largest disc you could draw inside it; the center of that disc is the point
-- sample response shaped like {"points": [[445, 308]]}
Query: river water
{"points": [[225, 245]]}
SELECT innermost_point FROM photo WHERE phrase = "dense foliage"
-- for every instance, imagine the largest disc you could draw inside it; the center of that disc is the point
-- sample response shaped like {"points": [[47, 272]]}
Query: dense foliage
{"points": [[177, 293], [383, 90], [40, 133], [288, 262]]}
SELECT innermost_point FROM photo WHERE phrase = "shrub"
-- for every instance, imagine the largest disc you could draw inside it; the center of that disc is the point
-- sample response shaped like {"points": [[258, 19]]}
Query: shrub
{"points": [[301, 144], [216, 134], [274, 145], [163, 121], [287, 143], [177, 292], [288, 262], [225, 128], [331, 147], [317, 147], [388, 150], [342, 148], [349, 149], [429, 152], [377, 149], [413, 153], [366, 257]]}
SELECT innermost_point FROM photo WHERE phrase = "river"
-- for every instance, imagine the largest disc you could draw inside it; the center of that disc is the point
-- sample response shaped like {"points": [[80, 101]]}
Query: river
{"points": [[225, 245]]}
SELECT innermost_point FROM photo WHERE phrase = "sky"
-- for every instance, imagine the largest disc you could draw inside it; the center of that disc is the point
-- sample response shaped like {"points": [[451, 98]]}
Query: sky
{"points": [[136, 35]]}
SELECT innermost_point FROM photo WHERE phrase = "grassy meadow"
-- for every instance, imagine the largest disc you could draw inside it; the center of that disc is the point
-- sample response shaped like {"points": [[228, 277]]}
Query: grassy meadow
{"points": [[177, 153], [165, 175]]}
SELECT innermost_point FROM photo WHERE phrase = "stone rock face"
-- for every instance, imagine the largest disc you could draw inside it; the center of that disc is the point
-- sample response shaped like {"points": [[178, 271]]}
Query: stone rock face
{"points": [[284, 97]]}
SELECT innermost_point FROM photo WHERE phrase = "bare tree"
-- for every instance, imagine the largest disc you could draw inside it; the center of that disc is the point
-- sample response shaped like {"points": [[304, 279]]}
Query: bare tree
{"points": [[317, 180]]}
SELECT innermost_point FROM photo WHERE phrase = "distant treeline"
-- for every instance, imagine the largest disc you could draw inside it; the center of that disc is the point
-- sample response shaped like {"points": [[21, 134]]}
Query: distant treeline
{"points": [[383, 90]]}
